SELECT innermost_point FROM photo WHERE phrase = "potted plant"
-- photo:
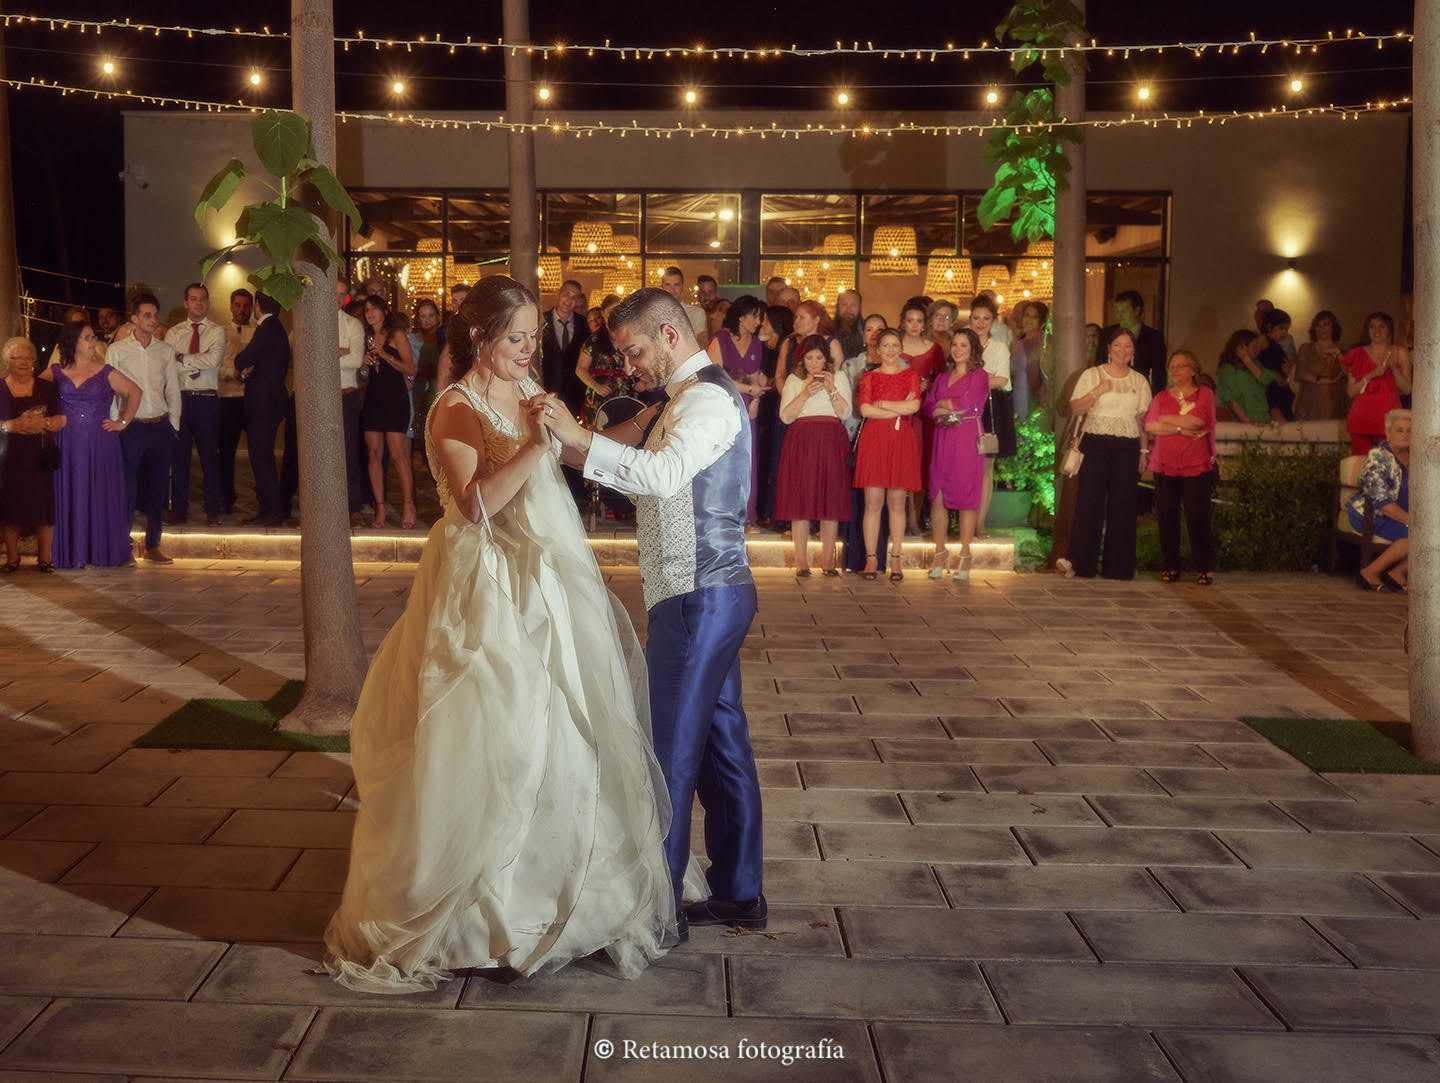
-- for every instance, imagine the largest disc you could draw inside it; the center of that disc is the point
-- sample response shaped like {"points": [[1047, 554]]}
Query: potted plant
{"points": [[1026, 477]]}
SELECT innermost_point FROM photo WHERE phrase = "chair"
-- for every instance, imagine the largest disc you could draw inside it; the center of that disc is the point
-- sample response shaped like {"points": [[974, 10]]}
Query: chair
{"points": [[1342, 531]]}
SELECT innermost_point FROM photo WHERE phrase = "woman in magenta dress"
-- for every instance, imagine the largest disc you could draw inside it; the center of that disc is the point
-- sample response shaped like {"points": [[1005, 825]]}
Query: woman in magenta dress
{"points": [[814, 483], [738, 349], [887, 455], [1379, 373], [90, 522], [957, 469], [920, 350]]}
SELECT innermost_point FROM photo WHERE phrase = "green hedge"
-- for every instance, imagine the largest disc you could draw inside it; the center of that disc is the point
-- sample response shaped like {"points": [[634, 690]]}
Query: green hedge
{"points": [[1273, 512]]}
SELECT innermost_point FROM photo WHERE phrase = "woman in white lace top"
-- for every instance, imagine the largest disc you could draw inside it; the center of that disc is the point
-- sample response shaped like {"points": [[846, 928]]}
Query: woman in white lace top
{"points": [[1114, 398]]}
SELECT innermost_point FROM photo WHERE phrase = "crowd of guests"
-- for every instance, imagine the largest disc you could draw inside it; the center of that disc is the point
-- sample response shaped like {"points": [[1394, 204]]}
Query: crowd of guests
{"points": [[862, 430]]}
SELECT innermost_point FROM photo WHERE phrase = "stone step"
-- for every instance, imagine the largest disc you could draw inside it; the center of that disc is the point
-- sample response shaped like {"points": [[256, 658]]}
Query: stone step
{"points": [[613, 547]]}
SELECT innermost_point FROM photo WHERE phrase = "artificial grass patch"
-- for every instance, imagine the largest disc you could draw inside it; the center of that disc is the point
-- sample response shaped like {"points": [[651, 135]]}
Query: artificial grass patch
{"points": [[240, 723], [1343, 745]]}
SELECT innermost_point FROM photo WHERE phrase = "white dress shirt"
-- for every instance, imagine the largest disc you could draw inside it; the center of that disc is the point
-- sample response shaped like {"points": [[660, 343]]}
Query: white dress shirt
{"points": [[996, 359], [237, 337], [154, 369], [698, 321], [198, 371], [701, 422], [352, 338]]}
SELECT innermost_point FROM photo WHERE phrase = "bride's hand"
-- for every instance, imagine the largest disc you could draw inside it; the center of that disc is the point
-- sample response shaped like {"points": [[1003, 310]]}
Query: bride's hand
{"points": [[537, 430], [556, 418]]}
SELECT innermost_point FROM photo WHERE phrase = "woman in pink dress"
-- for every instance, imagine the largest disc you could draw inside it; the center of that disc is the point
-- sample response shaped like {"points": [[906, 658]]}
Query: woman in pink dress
{"points": [[957, 469], [1379, 373], [887, 454]]}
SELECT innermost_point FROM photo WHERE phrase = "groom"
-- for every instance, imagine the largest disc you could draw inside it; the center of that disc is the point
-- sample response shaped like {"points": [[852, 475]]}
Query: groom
{"points": [[686, 462]]}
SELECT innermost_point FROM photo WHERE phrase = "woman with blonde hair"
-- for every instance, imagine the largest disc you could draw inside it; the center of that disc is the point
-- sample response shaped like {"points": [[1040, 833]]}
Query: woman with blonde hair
{"points": [[1181, 422]]}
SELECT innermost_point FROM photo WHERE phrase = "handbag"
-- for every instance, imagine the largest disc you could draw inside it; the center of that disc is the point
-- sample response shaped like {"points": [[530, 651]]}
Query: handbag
{"points": [[986, 442], [1070, 466]]}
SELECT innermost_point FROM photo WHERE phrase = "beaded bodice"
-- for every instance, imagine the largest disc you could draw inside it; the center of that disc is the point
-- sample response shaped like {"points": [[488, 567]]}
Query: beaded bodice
{"points": [[502, 439]]}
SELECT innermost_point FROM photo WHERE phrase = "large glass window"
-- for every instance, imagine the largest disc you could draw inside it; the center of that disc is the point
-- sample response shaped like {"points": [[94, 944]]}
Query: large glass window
{"points": [[397, 221], [808, 224], [692, 223]]}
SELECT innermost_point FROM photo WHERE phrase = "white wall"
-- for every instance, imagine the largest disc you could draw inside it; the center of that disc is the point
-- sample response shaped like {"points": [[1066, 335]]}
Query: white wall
{"points": [[1248, 196]]}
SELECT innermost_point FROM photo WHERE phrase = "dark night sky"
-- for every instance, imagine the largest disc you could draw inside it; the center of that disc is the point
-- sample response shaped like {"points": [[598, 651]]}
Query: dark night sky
{"points": [[68, 151]]}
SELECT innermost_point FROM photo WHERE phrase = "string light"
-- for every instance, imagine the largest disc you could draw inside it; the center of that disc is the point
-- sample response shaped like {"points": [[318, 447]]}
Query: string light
{"points": [[992, 96], [397, 87], [543, 93], [256, 78], [1143, 92], [669, 131], [107, 66], [842, 97], [691, 97], [1297, 85], [923, 53]]}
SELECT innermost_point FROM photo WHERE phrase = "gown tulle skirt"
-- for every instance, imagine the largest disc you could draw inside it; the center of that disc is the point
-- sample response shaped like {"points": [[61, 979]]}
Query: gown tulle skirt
{"points": [[511, 808]]}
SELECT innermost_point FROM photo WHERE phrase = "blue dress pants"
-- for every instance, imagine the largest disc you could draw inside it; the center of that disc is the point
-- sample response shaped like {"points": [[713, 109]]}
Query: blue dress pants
{"points": [[147, 448], [702, 740], [200, 427]]}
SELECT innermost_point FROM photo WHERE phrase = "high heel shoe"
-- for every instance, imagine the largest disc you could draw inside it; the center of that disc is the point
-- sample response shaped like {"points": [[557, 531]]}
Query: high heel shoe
{"points": [[963, 572], [408, 523], [896, 575], [870, 566]]}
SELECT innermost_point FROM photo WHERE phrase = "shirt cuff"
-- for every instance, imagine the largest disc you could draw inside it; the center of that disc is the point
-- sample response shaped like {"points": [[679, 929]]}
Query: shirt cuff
{"points": [[602, 462]]}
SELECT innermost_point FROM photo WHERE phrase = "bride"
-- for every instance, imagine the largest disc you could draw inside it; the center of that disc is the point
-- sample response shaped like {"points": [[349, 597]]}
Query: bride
{"points": [[511, 808]]}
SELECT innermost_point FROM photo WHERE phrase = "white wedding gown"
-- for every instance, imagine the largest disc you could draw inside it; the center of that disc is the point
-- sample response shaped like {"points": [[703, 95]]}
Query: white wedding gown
{"points": [[501, 747]]}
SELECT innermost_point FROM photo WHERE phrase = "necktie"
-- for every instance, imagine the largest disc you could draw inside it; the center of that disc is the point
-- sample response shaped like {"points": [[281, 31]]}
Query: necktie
{"points": [[194, 338], [564, 335]]}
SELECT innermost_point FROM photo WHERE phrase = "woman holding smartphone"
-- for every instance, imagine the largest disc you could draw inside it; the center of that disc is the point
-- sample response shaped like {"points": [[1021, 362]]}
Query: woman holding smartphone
{"points": [[814, 482]]}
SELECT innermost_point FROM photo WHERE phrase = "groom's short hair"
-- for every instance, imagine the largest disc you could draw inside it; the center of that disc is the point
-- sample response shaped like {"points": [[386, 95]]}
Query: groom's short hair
{"points": [[647, 310]]}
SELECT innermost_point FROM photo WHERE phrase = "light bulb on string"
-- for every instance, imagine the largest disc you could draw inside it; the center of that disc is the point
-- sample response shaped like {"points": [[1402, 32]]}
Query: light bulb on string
{"points": [[691, 97], [992, 96], [255, 78], [107, 66], [842, 98], [397, 87], [1297, 85], [1143, 92], [543, 93]]}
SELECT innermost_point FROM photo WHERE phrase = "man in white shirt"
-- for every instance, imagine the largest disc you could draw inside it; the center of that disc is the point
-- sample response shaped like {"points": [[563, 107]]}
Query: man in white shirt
{"points": [[147, 444], [673, 283], [199, 345], [688, 468], [238, 333], [352, 356]]}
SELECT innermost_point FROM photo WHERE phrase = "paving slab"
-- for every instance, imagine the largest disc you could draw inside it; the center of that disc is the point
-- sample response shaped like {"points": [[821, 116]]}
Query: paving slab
{"points": [[856, 883], [260, 827], [1211, 939], [1301, 1058], [60, 788], [1384, 943], [1150, 996], [890, 777], [878, 933], [209, 914], [1384, 1000], [737, 1050], [162, 864], [1271, 784], [191, 761], [30, 907], [1210, 813], [1379, 817], [960, 750], [1388, 787], [161, 1038], [1126, 753], [16, 1014], [927, 1053], [860, 989], [378, 1043], [1123, 846], [920, 842], [260, 793], [1054, 887], [818, 806], [281, 974], [1277, 891], [1420, 893], [999, 808], [868, 725], [108, 823], [101, 966], [45, 862], [1331, 850], [679, 983], [1076, 780], [1029, 728], [792, 930]]}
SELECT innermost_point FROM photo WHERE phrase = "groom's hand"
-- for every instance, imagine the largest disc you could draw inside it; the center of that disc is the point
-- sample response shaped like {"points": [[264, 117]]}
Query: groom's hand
{"points": [[573, 436]]}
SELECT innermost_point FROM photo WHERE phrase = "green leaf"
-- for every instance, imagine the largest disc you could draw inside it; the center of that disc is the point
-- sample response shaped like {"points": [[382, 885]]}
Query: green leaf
{"points": [[334, 194], [280, 283], [284, 235], [281, 140], [221, 187], [216, 256], [995, 206], [321, 243], [254, 218]]}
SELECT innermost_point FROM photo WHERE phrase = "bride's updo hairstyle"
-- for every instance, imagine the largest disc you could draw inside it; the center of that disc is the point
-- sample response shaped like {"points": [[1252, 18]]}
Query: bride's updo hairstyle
{"points": [[483, 318]]}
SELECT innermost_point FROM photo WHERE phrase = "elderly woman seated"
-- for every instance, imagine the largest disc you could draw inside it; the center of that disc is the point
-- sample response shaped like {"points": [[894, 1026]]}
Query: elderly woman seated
{"points": [[1385, 482]]}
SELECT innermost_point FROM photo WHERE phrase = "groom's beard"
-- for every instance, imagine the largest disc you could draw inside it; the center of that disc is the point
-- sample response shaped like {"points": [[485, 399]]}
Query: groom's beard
{"points": [[845, 326], [664, 368]]}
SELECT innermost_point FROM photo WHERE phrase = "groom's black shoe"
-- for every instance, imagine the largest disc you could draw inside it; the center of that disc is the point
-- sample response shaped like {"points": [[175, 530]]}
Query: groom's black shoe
{"points": [[747, 913], [682, 925]]}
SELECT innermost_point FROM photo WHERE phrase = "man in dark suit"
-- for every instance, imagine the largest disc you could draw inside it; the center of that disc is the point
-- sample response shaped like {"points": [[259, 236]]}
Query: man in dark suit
{"points": [[263, 365], [1150, 360], [565, 332]]}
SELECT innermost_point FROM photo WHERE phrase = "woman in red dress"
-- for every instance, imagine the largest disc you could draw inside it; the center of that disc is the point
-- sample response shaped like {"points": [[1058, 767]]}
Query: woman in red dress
{"points": [[887, 455], [1379, 373]]}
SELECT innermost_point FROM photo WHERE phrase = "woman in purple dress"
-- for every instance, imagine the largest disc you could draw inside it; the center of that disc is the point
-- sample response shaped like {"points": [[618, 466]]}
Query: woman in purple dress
{"points": [[737, 349], [90, 526], [957, 469]]}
